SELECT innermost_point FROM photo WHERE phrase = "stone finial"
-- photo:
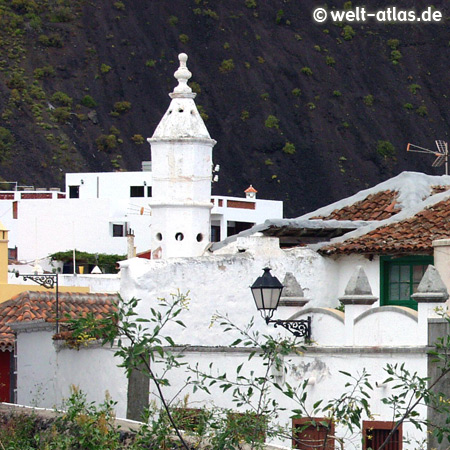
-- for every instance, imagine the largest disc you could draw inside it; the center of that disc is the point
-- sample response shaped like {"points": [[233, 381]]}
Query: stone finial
{"points": [[182, 75], [431, 288], [358, 290], [292, 293]]}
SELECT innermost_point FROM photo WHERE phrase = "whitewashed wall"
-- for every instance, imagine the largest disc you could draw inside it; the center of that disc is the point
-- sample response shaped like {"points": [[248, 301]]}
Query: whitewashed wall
{"points": [[46, 371], [47, 226]]}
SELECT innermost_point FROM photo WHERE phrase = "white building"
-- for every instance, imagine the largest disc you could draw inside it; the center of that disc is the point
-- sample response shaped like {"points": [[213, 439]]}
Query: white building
{"points": [[387, 231]]}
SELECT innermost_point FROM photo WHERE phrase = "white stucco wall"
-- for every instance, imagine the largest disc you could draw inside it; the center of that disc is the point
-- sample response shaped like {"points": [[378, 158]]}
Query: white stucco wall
{"points": [[47, 226], [46, 371]]}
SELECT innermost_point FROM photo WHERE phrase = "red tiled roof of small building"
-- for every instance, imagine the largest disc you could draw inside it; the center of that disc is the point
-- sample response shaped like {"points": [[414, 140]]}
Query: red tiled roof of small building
{"points": [[412, 235], [378, 206], [40, 306]]}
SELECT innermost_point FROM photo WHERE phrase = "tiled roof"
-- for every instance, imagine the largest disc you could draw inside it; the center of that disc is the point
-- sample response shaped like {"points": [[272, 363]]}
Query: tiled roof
{"points": [[40, 306], [412, 235], [378, 206]]}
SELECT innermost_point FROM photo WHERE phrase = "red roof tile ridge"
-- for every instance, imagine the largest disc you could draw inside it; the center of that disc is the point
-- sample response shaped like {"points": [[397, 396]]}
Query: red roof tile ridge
{"points": [[403, 215]]}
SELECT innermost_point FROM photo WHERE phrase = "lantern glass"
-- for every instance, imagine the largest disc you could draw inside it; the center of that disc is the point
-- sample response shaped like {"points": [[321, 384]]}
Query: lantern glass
{"points": [[266, 291]]}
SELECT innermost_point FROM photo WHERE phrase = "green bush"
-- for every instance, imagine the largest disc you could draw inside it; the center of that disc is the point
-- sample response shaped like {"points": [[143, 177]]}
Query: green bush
{"points": [[184, 38], [61, 114], [120, 6], [422, 111], [311, 106], [368, 100], [44, 72], [348, 33], [279, 16], [250, 3], [150, 63], [88, 101], [272, 122], [104, 68], [172, 20], [330, 61], [414, 88], [226, 66], [306, 71], [385, 149], [106, 142], [396, 56], [61, 14], [408, 106], [244, 115], [52, 40], [6, 142], [337, 93], [62, 99], [138, 139], [122, 107], [296, 92], [393, 43], [289, 148]]}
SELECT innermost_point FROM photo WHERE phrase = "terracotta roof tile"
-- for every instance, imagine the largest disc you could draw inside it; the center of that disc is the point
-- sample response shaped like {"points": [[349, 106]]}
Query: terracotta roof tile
{"points": [[378, 206], [411, 235], [30, 306]]}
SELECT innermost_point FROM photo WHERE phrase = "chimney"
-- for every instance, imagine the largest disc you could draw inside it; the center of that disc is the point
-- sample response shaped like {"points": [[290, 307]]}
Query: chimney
{"points": [[131, 249], [442, 260], [3, 254]]}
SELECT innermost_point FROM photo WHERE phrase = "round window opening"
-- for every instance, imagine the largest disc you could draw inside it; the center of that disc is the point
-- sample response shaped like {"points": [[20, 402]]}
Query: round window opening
{"points": [[179, 236], [199, 237], [159, 237]]}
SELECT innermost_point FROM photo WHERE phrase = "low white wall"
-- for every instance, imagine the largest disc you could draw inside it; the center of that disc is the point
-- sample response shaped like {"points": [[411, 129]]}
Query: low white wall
{"points": [[46, 370]]}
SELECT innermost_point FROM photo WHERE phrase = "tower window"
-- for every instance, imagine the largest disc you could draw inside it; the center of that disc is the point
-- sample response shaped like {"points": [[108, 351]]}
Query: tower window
{"points": [[74, 191], [149, 191], [137, 191], [179, 236]]}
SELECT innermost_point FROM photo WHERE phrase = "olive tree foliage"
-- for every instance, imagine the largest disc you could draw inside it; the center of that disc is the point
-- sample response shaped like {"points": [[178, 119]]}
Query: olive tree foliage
{"points": [[256, 387]]}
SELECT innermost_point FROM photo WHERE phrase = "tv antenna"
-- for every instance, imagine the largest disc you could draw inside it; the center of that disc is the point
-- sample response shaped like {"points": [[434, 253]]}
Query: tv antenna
{"points": [[441, 153]]}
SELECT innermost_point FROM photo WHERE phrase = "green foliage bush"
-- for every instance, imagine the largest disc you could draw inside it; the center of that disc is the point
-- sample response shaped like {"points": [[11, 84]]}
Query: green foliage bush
{"points": [[422, 111], [106, 142], [61, 14], [88, 101], [393, 43], [330, 61], [61, 98], [44, 72], [369, 100], [172, 20], [306, 71], [184, 38], [150, 63], [414, 88], [348, 32], [138, 139], [52, 40], [226, 66], [61, 114], [337, 93], [296, 92], [122, 107], [244, 115], [250, 3], [272, 122], [408, 106], [6, 142], [120, 6], [385, 149], [279, 16], [104, 68], [396, 56], [289, 148]]}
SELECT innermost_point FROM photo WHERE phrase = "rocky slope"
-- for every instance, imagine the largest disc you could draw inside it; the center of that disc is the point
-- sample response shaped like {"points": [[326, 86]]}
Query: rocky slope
{"points": [[307, 113]]}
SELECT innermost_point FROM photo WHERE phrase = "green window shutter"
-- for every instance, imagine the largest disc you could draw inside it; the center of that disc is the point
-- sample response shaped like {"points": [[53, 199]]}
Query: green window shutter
{"points": [[399, 278]]}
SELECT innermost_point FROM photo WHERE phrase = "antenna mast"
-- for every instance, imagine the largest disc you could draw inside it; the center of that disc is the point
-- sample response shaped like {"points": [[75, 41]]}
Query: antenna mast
{"points": [[441, 153]]}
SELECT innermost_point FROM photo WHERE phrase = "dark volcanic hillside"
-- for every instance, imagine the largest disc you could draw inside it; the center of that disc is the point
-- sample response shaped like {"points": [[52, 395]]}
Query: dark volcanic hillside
{"points": [[307, 113]]}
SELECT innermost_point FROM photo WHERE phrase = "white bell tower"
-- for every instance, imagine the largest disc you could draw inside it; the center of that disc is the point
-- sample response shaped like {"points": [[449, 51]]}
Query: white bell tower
{"points": [[181, 150]]}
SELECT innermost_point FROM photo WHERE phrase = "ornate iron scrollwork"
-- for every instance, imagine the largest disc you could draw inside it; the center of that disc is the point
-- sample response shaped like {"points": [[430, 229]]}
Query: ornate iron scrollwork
{"points": [[299, 328], [48, 281]]}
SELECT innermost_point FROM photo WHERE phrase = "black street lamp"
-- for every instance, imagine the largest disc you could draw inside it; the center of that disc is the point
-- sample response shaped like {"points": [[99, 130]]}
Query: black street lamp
{"points": [[266, 291], [49, 281]]}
